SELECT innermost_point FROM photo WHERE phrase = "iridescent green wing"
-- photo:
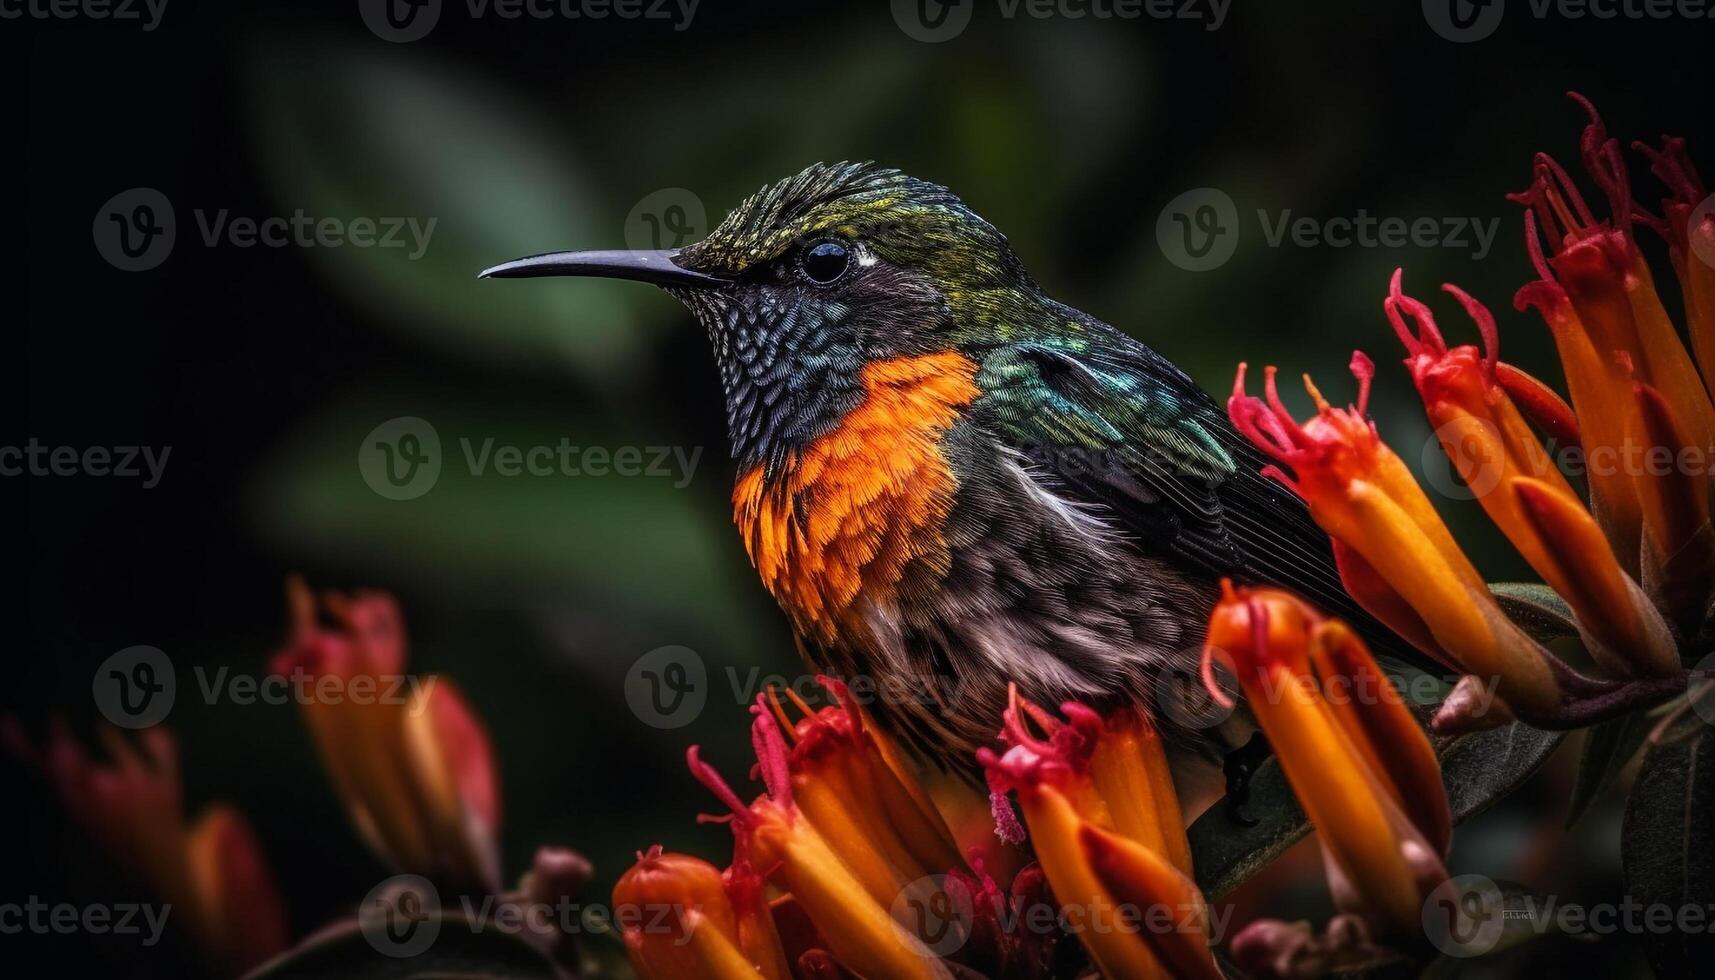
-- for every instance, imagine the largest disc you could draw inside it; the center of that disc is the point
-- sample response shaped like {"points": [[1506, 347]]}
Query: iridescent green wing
{"points": [[1108, 422]]}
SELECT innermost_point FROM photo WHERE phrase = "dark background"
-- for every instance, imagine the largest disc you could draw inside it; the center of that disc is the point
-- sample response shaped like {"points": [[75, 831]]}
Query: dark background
{"points": [[263, 368]]}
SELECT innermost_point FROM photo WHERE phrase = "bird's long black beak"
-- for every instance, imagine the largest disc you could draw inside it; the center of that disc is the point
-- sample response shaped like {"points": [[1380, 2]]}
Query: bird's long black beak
{"points": [[659, 267]]}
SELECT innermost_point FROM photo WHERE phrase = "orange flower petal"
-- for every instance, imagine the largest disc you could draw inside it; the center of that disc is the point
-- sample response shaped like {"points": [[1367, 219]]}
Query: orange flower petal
{"points": [[1137, 877], [1364, 497], [1628, 633], [772, 833], [1349, 785], [239, 914], [1676, 508], [1384, 729]]}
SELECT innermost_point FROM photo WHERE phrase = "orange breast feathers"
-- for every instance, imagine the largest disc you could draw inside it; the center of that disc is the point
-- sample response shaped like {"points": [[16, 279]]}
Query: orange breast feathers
{"points": [[848, 514]]}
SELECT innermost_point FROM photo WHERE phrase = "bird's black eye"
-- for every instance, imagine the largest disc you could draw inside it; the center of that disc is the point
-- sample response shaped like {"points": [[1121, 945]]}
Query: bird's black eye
{"points": [[826, 261]]}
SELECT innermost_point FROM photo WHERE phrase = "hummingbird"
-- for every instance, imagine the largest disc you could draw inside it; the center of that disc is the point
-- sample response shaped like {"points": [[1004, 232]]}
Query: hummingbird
{"points": [[951, 481]]}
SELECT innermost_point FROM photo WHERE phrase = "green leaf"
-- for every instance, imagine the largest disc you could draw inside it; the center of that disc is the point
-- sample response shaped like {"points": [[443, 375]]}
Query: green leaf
{"points": [[1481, 767], [1225, 851], [1477, 769], [1537, 608], [1607, 749], [1665, 845], [649, 544], [462, 949], [349, 131]]}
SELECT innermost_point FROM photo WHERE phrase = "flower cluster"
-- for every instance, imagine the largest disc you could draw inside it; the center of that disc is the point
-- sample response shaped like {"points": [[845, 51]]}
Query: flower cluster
{"points": [[847, 864], [418, 774], [1634, 560], [210, 871], [848, 858]]}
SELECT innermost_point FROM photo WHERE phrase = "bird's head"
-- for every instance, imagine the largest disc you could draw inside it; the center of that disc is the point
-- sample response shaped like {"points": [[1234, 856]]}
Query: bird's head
{"points": [[815, 277]]}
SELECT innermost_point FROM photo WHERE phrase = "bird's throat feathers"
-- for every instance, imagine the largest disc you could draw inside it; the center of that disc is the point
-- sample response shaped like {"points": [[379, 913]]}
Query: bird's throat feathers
{"points": [[850, 517]]}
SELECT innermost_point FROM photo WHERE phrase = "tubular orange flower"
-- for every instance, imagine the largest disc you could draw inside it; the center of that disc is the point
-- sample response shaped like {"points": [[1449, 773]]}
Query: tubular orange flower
{"points": [[758, 937], [1084, 789], [1364, 771], [417, 774], [1513, 477], [1676, 509], [1689, 227], [1606, 277], [1414, 576], [773, 833], [678, 920], [883, 825], [1597, 385], [211, 873], [1600, 301]]}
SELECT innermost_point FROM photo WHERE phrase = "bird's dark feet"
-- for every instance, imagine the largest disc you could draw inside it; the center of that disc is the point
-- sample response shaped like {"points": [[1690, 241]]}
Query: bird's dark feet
{"points": [[1241, 764]]}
